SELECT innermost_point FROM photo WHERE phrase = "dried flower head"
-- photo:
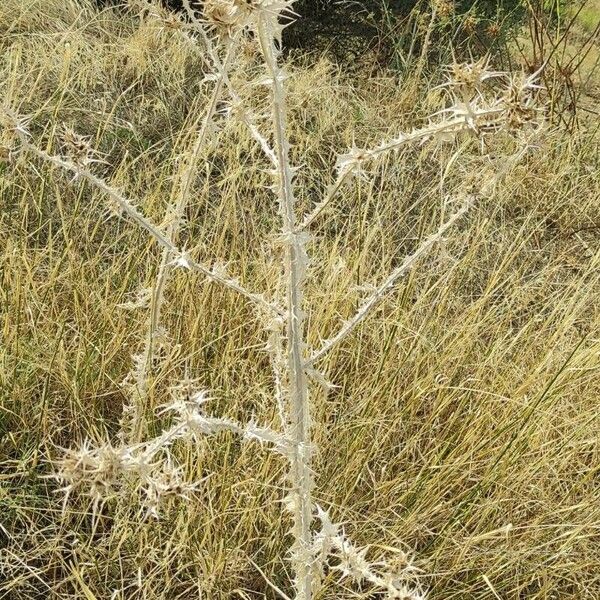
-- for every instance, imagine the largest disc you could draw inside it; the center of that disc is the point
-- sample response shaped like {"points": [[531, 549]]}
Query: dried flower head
{"points": [[95, 469], [519, 100], [166, 483], [77, 147], [226, 16], [493, 29], [445, 8], [105, 471], [422, 23], [470, 77], [469, 24]]}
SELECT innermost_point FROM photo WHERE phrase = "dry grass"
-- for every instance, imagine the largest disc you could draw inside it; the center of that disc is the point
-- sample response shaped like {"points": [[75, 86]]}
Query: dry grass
{"points": [[464, 423]]}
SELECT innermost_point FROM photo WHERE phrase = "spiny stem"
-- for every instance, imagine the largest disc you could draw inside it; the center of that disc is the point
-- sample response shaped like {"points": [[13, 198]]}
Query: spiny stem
{"points": [[387, 286], [409, 262], [450, 126], [245, 115], [189, 174], [295, 260]]}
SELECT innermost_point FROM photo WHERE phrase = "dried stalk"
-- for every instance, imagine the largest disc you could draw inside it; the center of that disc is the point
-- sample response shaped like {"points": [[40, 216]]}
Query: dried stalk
{"points": [[135, 424], [103, 470], [349, 164], [244, 115], [377, 296], [294, 267]]}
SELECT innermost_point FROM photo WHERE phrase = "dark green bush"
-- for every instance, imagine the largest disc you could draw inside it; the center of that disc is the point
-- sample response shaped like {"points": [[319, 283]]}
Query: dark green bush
{"points": [[349, 28]]}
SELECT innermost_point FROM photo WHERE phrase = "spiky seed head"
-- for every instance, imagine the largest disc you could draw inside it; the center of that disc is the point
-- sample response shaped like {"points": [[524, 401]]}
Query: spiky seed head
{"points": [[96, 470], [470, 77], [76, 147], [519, 103], [227, 16], [105, 471], [445, 8], [166, 483]]}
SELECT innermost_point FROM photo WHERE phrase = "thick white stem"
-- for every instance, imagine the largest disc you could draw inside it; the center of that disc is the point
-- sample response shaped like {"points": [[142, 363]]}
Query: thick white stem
{"points": [[295, 262]]}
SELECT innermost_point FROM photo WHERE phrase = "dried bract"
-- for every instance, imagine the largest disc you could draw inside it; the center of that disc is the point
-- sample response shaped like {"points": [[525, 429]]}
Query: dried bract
{"points": [[470, 77], [521, 107], [77, 147], [225, 16], [166, 483]]}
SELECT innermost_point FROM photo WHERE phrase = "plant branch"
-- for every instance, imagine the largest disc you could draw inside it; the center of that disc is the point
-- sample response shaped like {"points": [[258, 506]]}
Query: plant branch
{"points": [[124, 204], [349, 164], [244, 116], [378, 295]]}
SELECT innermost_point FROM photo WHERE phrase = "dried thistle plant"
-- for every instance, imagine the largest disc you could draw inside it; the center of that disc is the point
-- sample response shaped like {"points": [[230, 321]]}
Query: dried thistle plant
{"points": [[148, 466]]}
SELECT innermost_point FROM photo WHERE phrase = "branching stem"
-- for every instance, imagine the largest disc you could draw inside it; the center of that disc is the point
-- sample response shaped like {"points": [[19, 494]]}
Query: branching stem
{"points": [[124, 204]]}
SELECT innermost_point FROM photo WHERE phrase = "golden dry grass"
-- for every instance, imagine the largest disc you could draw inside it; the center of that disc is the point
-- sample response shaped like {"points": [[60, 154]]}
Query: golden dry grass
{"points": [[464, 425]]}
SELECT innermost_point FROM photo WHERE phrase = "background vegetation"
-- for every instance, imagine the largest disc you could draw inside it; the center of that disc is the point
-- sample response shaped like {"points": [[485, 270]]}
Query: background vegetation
{"points": [[463, 428]]}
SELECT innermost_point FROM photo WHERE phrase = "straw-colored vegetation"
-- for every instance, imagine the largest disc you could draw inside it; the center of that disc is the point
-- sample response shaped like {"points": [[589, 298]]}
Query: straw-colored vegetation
{"points": [[453, 415]]}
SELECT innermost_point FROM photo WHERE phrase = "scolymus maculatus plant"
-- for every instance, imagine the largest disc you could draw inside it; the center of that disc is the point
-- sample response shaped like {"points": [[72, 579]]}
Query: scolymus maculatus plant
{"points": [[106, 470]]}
